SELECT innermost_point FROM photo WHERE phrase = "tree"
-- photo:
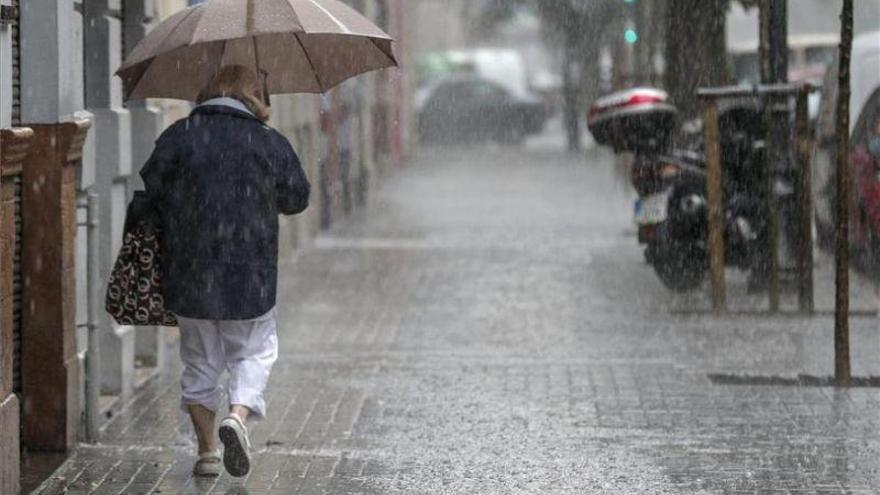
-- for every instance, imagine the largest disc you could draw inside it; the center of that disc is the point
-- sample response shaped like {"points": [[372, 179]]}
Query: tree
{"points": [[696, 50], [841, 258], [577, 27], [580, 28], [692, 36]]}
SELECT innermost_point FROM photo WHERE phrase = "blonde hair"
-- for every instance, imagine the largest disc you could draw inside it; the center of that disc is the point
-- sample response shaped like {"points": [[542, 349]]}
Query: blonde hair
{"points": [[239, 82]]}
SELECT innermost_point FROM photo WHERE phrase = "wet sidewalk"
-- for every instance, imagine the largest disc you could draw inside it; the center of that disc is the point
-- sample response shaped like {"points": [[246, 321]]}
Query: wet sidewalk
{"points": [[489, 326]]}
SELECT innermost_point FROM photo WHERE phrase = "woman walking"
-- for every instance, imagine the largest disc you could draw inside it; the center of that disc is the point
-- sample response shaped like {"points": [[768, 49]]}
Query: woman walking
{"points": [[219, 179]]}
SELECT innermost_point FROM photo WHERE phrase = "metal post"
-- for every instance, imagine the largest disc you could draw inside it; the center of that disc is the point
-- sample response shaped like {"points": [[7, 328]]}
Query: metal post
{"points": [[842, 372], [716, 215], [771, 154], [93, 357], [805, 200]]}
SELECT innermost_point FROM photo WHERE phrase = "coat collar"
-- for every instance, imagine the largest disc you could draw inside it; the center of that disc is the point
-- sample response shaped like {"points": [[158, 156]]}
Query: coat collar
{"points": [[227, 101], [223, 110]]}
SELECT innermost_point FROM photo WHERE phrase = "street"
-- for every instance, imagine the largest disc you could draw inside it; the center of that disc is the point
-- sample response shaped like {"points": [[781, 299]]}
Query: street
{"points": [[489, 325]]}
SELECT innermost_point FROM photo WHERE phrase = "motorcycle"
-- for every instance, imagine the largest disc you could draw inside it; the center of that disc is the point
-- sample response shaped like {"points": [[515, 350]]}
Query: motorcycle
{"points": [[671, 210]]}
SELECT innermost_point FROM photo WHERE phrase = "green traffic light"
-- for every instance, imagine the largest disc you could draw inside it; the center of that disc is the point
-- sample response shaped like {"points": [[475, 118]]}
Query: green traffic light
{"points": [[631, 36]]}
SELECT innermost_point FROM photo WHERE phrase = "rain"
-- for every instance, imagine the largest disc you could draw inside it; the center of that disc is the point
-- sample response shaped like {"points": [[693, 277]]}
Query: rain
{"points": [[439, 246]]}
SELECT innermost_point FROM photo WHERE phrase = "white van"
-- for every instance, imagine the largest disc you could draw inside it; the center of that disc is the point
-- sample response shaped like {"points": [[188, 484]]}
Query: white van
{"points": [[808, 57]]}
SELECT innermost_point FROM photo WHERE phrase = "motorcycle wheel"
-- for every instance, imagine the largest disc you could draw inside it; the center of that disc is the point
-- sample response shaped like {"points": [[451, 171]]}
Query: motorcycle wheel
{"points": [[681, 267], [678, 273]]}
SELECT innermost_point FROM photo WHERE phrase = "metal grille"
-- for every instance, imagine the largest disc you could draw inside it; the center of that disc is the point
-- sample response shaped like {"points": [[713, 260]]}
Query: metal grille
{"points": [[16, 293], [16, 67]]}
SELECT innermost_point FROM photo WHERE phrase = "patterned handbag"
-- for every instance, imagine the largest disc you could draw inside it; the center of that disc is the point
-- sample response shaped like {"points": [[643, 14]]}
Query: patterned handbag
{"points": [[134, 291]]}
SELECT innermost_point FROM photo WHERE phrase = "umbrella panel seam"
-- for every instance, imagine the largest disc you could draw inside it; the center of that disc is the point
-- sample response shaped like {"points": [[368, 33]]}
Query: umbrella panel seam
{"points": [[332, 17], [309, 60], [170, 33], [295, 15]]}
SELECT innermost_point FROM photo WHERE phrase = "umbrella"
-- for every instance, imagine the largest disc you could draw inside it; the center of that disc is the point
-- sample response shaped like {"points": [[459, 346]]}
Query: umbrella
{"points": [[300, 46]]}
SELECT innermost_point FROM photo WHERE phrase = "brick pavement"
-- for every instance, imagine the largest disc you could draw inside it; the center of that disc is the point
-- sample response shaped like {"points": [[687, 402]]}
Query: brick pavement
{"points": [[488, 327]]}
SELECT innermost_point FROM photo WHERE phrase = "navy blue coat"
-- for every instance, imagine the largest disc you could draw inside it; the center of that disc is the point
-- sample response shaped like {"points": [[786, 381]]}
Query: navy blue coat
{"points": [[219, 179]]}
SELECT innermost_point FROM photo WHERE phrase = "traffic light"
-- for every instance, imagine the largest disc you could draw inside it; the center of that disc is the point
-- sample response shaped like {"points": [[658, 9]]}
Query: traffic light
{"points": [[631, 36]]}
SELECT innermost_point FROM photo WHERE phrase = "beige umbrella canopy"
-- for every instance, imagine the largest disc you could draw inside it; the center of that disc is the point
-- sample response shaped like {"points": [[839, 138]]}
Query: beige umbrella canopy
{"points": [[302, 46]]}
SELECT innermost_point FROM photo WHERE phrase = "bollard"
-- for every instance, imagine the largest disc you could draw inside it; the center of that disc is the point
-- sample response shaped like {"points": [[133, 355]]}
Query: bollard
{"points": [[716, 212]]}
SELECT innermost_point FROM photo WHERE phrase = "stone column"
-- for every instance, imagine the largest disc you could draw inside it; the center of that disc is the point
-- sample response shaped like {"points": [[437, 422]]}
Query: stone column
{"points": [[367, 138], [51, 376], [51, 61], [350, 93], [113, 167], [14, 145], [51, 104], [381, 107], [146, 125]]}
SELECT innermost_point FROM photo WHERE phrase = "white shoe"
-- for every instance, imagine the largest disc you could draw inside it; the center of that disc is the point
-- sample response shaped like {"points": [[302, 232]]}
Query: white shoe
{"points": [[208, 465], [236, 452]]}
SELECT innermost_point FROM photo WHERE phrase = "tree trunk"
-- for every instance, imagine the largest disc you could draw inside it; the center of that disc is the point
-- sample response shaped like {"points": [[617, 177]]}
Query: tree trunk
{"points": [[841, 258], [643, 62], [571, 77], [590, 77], [657, 39], [773, 48], [696, 50]]}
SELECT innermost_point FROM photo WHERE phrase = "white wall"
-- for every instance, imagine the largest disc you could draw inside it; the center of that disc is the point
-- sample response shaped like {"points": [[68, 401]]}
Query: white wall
{"points": [[51, 53]]}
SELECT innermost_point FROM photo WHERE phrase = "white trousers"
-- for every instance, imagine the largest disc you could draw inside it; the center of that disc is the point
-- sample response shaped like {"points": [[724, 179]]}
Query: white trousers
{"points": [[247, 349]]}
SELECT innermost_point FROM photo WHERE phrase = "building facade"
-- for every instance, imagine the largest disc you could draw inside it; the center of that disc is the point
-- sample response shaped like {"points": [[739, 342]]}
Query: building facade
{"points": [[70, 150]]}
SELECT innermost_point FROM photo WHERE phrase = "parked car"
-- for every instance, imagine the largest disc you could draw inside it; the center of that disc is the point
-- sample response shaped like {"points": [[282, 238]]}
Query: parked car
{"points": [[473, 109], [865, 177]]}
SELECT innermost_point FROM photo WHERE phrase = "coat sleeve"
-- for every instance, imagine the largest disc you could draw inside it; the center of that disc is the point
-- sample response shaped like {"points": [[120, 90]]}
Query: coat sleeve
{"points": [[160, 162], [292, 184]]}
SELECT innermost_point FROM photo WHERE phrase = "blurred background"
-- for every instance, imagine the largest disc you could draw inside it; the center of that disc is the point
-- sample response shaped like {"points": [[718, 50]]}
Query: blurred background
{"points": [[478, 141], [570, 52]]}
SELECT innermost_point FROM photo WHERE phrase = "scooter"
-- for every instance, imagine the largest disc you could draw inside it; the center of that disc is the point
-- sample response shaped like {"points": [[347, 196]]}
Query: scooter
{"points": [[671, 211]]}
